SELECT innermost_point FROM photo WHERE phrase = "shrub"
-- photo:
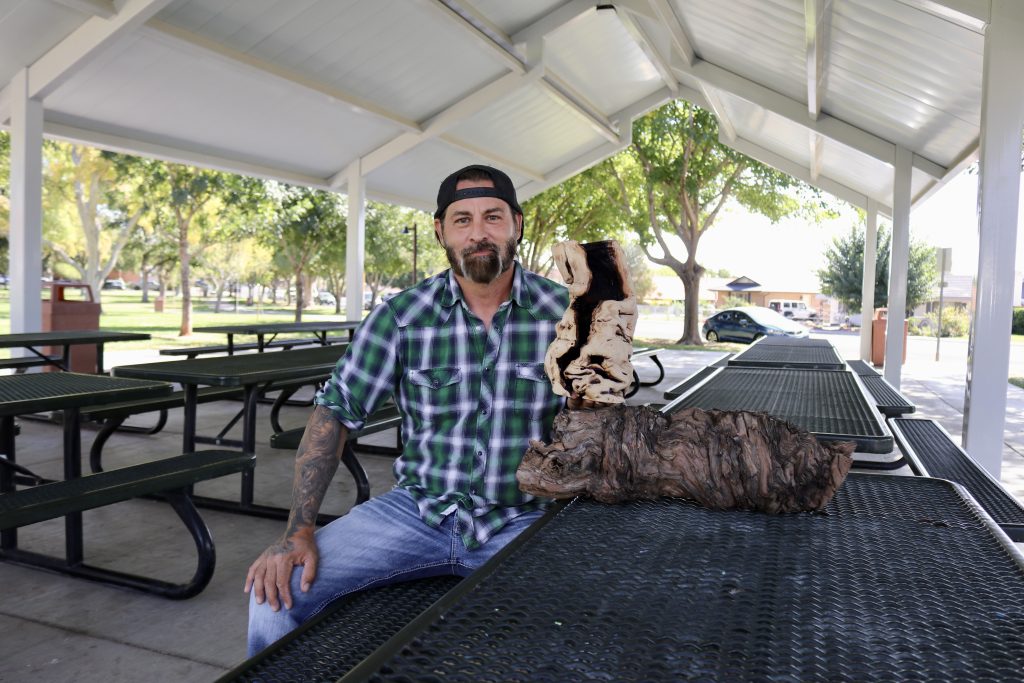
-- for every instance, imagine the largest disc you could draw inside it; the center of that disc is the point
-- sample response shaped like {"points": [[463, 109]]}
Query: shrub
{"points": [[735, 302], [1018, 321], [955, 323]]}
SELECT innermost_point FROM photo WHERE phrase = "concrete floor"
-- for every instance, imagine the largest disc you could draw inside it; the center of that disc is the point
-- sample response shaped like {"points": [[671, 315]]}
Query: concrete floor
{"points": [[57, 628]]}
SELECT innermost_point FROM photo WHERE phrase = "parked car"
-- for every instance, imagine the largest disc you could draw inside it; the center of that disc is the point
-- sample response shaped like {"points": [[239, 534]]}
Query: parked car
{"points": [[325, 299], [749, 324], [153, 285], [792, 308], [114, 284]]}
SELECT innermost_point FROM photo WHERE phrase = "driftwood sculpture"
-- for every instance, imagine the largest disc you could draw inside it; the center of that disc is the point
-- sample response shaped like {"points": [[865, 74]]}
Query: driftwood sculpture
{"points": [[589, 358], [721, 459], [614, 453]]}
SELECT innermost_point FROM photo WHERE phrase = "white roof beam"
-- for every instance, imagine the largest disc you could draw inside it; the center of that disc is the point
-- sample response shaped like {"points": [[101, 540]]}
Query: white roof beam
{"points": [[793, 168], [965, 159], [501, 46], [122, 143], [793, 110], [817, 20], [495, 159], [681, 43], [484, 34], [440, 123], [563, 15], [970, 14], [654, 56], [564, 94], [76, 50], [817, 143], [236, 58], [98, 8]]}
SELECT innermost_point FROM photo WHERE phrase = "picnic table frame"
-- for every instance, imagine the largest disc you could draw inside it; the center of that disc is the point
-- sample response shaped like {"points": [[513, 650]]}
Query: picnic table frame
{"points": [[734, 595], [261, 331], [253, 373], [68, 392], [65, 339]]}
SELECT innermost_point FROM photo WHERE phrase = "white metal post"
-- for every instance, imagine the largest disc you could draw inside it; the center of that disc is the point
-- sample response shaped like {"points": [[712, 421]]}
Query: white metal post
{"points": [[899, 260], [356, 242], [867, 288], [988, 349], [26, 228]]}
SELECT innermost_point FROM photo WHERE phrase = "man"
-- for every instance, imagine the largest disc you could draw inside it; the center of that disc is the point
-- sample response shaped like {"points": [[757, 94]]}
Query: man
{"points": [[463, 354]]}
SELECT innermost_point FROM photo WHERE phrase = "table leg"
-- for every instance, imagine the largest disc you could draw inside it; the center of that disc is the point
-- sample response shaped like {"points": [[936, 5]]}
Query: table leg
{"points": [[65, 361], [188, 437], [252, 395], [73, 470], [231, 344], [259, 342], [99, 358], [9, 537]]}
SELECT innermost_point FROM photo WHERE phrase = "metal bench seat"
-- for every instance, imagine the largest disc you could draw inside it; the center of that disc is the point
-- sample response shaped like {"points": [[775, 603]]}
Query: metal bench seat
{"points": [[194, 351], [890, 402], [170, 477], [343, 633], [933, 453]]}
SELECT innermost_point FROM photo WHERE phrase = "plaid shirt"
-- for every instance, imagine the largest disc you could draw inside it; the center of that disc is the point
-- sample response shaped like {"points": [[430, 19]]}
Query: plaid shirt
{"points": [[470, 398]]}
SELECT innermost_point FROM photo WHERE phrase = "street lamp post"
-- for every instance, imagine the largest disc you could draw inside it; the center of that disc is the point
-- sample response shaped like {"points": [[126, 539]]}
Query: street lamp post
{"points": [[414, 249]]}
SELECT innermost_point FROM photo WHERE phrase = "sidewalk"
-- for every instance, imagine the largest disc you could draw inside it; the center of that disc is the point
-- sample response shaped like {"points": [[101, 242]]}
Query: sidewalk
{"points": [[57, 628]]}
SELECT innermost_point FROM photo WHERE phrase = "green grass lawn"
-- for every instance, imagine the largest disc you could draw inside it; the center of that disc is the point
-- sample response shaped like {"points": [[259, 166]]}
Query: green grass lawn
{"points": [[1017, 382], [124, 311]]}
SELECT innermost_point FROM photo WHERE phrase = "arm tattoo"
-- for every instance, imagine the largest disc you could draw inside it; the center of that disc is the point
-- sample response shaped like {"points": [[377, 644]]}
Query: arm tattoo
{"points": [[315, 464]]}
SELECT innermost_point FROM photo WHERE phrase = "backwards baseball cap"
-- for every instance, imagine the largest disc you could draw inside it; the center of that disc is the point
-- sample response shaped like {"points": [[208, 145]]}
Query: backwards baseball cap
{"points": [[503, 189]]}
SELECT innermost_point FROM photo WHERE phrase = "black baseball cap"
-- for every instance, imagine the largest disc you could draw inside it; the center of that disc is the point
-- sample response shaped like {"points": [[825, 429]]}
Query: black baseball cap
{"points": [[503, 189]]}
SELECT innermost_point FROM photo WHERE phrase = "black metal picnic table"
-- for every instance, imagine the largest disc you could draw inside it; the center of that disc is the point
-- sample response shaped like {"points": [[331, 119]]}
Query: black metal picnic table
{"points": [[251, 372], [788, 352], [66, 339], [831, 404], [68, 392], [898, 579], [261, 330]]}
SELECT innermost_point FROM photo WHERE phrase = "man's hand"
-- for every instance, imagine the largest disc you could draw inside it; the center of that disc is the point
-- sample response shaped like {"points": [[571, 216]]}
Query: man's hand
{"points": [[270, 575]]}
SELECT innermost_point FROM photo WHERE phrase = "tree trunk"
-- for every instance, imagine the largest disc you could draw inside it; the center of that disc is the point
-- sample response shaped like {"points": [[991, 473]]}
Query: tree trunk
{"points": [[186, 287], [690, 276], [723, 460], [299, 296]]}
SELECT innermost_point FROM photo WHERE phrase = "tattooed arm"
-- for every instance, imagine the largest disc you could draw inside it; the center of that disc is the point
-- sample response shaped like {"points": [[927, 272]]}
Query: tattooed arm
{"points": [[315, 464]]}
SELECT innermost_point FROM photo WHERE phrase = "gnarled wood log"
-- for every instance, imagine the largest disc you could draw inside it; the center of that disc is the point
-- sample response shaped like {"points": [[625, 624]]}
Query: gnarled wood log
{"points": [[720, 459], [589, 358]]}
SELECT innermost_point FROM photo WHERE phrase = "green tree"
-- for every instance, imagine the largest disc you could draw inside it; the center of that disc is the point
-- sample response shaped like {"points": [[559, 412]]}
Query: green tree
{"points": [[302, 222], [583, 208], [844, 270], [195, 198], [92, 203], [389, 246], [674, 180]]}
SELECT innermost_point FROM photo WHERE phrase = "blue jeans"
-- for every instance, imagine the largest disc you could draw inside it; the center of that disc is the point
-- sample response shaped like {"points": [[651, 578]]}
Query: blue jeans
{"points": [[379, 542]]}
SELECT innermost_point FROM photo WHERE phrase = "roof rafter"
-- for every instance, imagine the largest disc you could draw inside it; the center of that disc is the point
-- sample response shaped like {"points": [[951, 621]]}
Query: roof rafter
{"points": [[795, 169], [970, 14], [78, 48], [501, 45], [654, 56], [817, 22], [96, 8], [238, 58]]}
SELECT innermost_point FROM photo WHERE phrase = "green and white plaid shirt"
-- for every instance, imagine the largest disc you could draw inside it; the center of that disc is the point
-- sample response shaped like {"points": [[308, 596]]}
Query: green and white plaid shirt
{"points": [[471, 398]]}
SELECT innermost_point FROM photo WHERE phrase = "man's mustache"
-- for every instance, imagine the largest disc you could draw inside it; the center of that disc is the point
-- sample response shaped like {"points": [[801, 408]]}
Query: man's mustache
{"points": [[490, 246]]}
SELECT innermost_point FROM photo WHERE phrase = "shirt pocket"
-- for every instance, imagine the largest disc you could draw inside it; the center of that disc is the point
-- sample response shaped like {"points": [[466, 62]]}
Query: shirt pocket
{"points": [[531, 389], [435, 389]]}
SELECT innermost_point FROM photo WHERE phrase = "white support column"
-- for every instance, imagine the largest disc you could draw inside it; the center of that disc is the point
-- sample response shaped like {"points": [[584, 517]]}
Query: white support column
{"points": [[26, 229], [988, 351], [356, 242], [867, 288], [899, 260]]}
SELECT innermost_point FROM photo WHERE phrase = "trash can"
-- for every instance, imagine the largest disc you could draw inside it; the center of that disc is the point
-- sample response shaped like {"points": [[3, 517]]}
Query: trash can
{"points": [[878, 324], [71, 306]]}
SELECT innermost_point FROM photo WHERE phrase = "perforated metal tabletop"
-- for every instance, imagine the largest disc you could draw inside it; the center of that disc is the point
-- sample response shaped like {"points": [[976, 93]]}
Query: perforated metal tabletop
{"points": [[830, 404], [40, 392], [797, 353], [900, 579]]}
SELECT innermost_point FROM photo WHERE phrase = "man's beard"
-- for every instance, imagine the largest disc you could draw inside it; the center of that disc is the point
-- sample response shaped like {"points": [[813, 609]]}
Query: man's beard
{"points": [[482, 268]]}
